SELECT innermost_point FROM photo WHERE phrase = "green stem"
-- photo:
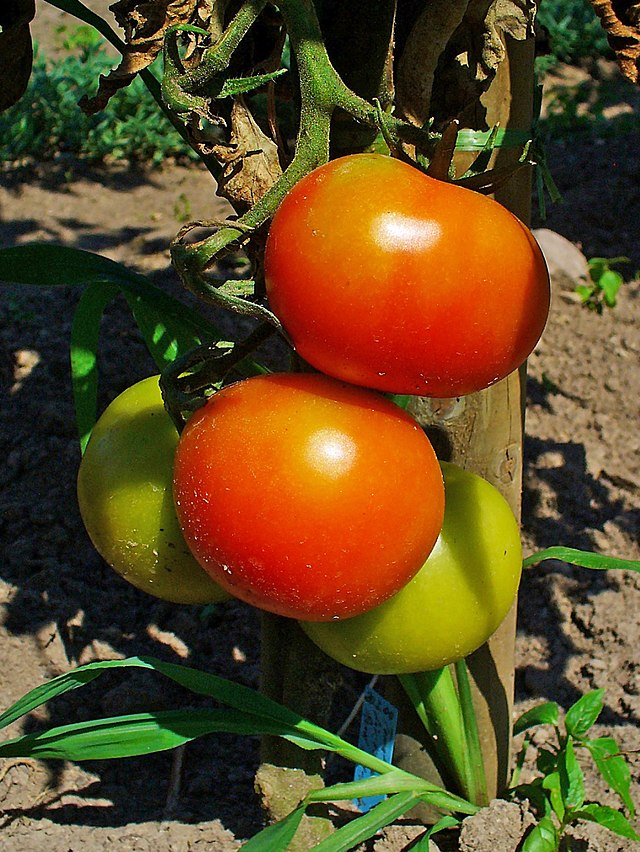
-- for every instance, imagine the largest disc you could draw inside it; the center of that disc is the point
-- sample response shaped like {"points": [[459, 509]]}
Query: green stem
{"points": [[322, 91]]}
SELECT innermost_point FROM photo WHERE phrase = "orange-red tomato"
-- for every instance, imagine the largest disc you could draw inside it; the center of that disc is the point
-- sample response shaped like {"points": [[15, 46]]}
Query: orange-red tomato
{"points": [[305, 496], [387, 278]]}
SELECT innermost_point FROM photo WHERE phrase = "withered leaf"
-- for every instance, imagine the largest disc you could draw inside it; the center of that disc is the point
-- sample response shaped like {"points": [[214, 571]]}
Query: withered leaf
{"points": [[250, 164], [16, 51], [621, 22], [458, 64], [144, 25]]}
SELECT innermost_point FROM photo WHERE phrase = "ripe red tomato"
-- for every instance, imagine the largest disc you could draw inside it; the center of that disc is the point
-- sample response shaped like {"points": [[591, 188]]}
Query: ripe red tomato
{"points": [[453, 604], [124, 494], [387, 278], [305, 496]]}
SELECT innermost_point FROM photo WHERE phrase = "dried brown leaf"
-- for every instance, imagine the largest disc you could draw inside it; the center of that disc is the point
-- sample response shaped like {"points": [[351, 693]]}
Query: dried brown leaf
{"points": [[621, 22], [144, 25], [16, 51], [451, 71], [250, 164]]}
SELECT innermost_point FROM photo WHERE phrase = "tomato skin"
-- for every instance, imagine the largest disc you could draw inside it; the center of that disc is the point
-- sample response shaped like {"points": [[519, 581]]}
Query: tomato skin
{"points": [[454, 604], [305, 496], [125, 499], [387, 278]]}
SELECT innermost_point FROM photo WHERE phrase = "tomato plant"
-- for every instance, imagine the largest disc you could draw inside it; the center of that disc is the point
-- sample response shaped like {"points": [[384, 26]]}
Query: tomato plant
{"points": [[455, 602], [387, 278], [305, 496], [124, 493]]}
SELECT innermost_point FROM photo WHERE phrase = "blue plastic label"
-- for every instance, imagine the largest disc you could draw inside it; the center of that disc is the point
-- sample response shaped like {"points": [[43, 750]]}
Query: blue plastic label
{"points": [[378, 724]]}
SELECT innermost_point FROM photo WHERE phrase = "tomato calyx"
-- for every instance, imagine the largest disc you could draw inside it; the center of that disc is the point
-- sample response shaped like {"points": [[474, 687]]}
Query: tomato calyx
{"points": [[189, 381]]}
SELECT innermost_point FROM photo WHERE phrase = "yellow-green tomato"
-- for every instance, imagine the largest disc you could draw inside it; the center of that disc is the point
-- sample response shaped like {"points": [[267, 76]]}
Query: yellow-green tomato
{"points": [[455, 602], [126, 501]]}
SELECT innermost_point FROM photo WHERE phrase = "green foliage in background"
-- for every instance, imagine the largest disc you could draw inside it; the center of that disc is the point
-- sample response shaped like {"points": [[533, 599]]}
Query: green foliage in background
{"points": [[47, 121], [573, 31]]}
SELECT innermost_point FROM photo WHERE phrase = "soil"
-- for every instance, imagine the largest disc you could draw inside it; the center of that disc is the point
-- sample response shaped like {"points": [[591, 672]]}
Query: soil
{"points": [[60, 605]]}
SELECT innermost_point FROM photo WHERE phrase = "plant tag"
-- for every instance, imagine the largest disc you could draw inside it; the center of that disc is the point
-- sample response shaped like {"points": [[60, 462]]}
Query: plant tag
{"points": [[378, 724]]}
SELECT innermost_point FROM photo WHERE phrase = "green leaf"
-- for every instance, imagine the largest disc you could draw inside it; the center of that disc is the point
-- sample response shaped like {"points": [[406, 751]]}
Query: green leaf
{"points": [[542, 838], [546, 761], [276, 836], [253, 713], [583, 714], [571, 777], [128, 736], [541, 714], [584, 291], [395, 781], [424, 844], [85, 330], [610, 283], [477, 774], [49, 690], [613, 768], [366, 826], [584, 558], [169, 327], [238, 85], [46, 265], [609, 818], [553, 785]]}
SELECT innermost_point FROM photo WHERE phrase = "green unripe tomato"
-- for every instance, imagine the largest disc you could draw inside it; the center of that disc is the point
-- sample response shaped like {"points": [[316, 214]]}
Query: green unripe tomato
{"points": [[455, 602], [126, 502]]}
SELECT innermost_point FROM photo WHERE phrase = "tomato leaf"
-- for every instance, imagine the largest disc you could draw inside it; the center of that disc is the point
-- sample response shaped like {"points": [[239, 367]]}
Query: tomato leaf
{"points": [[542, 714], [609, 818], [613, 768], [542, 838], [584, 558], [276, 836], [583, 714]]}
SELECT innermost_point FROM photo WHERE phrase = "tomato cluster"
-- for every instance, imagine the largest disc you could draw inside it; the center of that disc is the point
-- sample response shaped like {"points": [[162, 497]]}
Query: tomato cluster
{"points": [[312, 495]]}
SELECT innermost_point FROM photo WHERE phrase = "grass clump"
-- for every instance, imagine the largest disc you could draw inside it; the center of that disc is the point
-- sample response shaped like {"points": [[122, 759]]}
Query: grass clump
{"points": [[47, 122]]}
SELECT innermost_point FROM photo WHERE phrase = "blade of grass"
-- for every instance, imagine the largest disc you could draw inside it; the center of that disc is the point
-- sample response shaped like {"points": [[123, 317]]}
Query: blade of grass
{"points": [[265, 715], [47, 265], [476, 772], [435, 699], [276, 836], [85, 331], [366, 826], [583, 558]]}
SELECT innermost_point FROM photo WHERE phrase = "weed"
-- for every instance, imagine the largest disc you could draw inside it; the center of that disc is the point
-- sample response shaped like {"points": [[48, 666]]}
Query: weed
{"points": [[558, 793], [604, 283]]}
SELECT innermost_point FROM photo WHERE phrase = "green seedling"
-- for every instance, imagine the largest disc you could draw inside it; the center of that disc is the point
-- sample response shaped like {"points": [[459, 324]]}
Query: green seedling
{"points": [[601, 291], [558, 794]]}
